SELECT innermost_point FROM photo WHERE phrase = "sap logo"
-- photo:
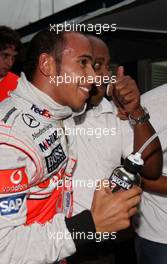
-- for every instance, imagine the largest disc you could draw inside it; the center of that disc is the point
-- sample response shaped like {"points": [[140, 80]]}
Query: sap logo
{"points": [[48, 141], [43, 112], [56, 157], [11, 205]]}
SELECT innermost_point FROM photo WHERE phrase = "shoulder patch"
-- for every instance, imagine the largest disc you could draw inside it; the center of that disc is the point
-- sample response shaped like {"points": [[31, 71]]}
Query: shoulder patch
{"points": [[10, 115], [11, 204], [13, 180]]}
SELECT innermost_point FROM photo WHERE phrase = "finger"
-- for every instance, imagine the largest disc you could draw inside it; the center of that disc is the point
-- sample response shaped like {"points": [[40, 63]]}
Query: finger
{"points": [[123, 82], [128, 194], [126, 97], [122, 111], [115, 101], [108, 190], [120, 101], [103, 185], [122, 116], [133, 201], [120, 71], [132, 211], [109, 90], [115, 97], [122, 89], [123, 225]]}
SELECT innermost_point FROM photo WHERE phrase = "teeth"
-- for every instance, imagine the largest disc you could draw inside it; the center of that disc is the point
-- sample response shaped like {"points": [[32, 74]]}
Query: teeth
{"points": [[84, 89]]}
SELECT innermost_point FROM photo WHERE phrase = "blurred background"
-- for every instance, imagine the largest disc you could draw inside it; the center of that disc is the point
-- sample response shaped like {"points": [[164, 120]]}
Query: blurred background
{"points": [[139, 43]]}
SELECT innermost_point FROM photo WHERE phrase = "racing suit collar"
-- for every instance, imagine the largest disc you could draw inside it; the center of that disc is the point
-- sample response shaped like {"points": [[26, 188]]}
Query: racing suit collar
{"points": [[26, 91]]}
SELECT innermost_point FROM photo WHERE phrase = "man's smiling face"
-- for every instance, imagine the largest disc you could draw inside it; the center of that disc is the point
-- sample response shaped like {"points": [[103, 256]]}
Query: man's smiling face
{"points": [[101, 66], [76, 62]]}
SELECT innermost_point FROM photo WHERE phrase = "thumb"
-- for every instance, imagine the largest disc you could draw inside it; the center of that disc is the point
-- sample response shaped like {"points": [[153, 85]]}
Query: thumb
{"points": [[120, 71], [122, 116], [109, 90]]}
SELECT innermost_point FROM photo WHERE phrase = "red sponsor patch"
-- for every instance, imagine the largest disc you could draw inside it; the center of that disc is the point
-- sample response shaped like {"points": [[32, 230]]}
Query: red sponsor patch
{"points": [[44, 184], [55, 179], [13, 180]]}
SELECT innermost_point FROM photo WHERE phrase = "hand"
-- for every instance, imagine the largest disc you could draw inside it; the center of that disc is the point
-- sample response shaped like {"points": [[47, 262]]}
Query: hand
{"points": [[125, 95], [112, 211]]}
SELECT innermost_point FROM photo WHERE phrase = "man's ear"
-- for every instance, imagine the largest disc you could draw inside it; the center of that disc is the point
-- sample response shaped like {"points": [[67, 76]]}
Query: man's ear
{"points": [[47, 64]]}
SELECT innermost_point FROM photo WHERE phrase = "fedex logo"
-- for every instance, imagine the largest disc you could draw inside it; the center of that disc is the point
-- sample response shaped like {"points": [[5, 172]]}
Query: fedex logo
{"points": [[43, 112], [11, 205]]}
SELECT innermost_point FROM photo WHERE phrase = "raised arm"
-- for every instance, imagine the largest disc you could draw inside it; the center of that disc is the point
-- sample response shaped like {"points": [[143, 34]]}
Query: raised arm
{"points": [[126, 96]]}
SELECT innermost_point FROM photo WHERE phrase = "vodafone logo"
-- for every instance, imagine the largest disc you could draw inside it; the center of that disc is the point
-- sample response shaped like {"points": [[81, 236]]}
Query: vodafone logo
{"points": [[13, 180], [16, 177]]}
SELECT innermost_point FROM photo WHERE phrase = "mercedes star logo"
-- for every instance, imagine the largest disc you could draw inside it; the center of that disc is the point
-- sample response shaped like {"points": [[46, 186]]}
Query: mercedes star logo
{"points": [[30, 121]]}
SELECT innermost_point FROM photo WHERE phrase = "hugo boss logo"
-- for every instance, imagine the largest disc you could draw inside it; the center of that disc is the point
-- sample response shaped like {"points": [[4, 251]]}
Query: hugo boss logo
{"points": [[56, 157], [30, 120], [42, 112]]}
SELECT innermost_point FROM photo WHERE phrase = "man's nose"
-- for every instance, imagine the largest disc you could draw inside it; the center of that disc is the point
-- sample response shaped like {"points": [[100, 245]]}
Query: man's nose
{"points": [[92, 73]]}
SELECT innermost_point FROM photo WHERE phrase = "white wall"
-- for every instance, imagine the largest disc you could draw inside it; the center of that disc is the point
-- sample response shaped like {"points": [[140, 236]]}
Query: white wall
{"points": [[19, 13]]}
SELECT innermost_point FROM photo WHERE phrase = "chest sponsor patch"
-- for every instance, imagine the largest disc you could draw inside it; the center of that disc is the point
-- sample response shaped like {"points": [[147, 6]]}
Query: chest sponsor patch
{"points": [[41, 131], [13, 180], [42, 112], [8, 114], [48, 141], [30, 120], [56, 157], [11, 205]]}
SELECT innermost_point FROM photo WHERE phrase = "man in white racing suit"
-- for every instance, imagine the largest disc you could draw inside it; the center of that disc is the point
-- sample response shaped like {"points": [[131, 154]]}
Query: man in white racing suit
{"points": [[37, 157]]}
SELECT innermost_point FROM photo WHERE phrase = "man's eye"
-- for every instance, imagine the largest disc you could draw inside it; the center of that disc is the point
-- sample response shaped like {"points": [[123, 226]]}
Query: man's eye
{"points": [[4, 56], [97, 66], [83, 62]]}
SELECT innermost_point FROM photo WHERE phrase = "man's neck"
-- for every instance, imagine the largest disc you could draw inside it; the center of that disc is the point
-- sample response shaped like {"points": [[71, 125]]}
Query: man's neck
{"points": [[1, 78]]}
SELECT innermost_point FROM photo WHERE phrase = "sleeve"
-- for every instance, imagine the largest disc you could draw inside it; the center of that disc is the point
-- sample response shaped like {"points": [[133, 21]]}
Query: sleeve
{"points": [[127, 138], [155, 101], [35, 243]]}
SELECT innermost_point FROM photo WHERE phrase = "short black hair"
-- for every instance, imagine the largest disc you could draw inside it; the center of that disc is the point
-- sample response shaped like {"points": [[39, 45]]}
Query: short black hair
{"points": [[9, 37], [44, 42]]}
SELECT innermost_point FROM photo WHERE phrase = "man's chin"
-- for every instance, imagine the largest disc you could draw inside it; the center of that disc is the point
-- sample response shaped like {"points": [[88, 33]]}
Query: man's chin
{"points": [[94, 103], [3, 73], [80, 110]]}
